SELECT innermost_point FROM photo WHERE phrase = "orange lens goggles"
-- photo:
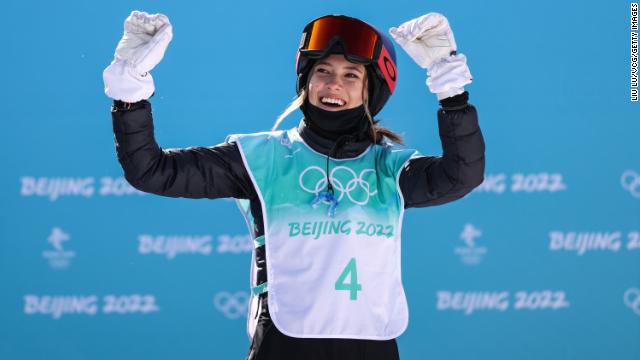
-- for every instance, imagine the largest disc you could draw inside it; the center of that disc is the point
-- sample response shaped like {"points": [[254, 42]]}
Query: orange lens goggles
{"points": [[358, 38]]}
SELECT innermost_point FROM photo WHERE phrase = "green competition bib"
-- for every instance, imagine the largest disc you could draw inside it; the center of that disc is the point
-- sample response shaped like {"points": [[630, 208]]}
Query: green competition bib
{"points": [[333, 271]]}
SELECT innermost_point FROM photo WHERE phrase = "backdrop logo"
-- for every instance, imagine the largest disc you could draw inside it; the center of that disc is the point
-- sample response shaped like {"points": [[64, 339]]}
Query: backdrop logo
{"points": [[172, 245], [57, 306], [470, 254], [500, 183], [472, 301], [53, 188], [231, 305], [343, 179], [469, 302], [59, 258], [583, 242], [632, 300], [630, 181], [57, 187], [234, 244]]}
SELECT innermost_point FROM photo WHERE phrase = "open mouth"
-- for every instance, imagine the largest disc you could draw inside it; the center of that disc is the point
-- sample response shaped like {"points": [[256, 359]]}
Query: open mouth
{"points": [[332, 101]]}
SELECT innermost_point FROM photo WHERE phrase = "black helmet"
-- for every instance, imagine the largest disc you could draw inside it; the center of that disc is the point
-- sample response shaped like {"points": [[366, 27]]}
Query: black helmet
{"points": [[360, 43]]}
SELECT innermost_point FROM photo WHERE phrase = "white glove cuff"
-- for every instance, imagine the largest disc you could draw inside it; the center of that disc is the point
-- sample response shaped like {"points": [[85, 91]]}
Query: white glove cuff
{"points": [[122, 82], [449, 93], [448, 76]]}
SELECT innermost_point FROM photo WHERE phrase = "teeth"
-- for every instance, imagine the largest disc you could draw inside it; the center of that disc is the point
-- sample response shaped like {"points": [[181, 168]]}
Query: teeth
{"points": [[332, 101]]}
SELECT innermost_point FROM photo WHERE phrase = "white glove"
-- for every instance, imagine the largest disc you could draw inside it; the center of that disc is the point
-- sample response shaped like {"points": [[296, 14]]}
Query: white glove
{"points": [[141, 48], [448, 76], [429, 41]]}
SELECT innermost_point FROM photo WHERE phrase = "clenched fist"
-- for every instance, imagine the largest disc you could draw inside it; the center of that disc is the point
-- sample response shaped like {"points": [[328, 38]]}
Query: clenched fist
{"points": [[429, 41], [426, 39], [142, 47]]}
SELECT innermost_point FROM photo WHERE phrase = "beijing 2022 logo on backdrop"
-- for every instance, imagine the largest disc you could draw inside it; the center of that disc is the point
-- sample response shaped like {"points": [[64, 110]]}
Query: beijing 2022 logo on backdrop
{"points": [[632, 300], [630, 181], [232, 305], [470, 254], [358, 187], [59, 257]]}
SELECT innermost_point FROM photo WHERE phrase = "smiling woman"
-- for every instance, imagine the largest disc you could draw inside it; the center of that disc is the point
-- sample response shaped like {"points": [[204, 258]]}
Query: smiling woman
{"points": [[325, 200], [336, 83]]}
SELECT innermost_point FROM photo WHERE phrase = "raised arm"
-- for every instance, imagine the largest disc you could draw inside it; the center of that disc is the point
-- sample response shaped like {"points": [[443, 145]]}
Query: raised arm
{"points": [[435, 180], [196, 172]]}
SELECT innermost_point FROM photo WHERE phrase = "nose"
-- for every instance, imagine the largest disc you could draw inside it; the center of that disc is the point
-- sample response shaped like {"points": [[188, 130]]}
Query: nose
{"points": [[334, 82]]}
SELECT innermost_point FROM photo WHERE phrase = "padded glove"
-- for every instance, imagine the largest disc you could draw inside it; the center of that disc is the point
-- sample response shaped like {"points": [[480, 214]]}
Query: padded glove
{"points": [[429, 41], [142, 47]]}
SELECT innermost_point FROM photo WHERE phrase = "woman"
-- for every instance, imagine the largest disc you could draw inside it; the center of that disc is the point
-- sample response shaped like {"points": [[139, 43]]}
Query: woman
{"points": [[324, 201]]}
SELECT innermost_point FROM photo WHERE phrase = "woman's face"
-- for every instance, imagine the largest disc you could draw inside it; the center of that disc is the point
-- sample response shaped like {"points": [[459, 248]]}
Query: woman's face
{"points": [[336, 83]]}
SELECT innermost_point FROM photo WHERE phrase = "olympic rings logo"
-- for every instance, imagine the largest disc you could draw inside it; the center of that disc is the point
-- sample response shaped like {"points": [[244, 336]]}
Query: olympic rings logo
{"points": [[232, 306], [632, 300], [630, 181], [343, 179]]}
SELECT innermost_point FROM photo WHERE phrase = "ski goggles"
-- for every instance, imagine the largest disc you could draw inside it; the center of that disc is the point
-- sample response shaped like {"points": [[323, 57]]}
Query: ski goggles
{"points": [[358, 38], [361, 43]]}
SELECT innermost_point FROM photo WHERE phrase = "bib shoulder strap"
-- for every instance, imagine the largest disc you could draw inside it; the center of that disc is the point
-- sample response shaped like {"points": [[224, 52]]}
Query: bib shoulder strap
{"points": [[392, 158]]}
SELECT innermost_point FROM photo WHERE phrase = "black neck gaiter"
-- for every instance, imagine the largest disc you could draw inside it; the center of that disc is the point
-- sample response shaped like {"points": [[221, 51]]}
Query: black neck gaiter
{"points": [[334, 124], [340, 127]]}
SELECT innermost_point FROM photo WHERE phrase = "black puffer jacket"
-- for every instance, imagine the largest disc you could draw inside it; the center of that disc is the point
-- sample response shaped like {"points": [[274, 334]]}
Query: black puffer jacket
{"points": [[218, 171]]}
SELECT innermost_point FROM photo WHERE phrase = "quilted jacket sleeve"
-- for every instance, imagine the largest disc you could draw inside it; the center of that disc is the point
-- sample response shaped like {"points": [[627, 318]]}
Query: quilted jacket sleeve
{"points": [[435, 180], [195, 172]]}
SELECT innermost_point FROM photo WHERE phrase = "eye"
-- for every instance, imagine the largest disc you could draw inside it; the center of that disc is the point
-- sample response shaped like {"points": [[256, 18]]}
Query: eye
{"points": [[353, 76], [322, 70]]}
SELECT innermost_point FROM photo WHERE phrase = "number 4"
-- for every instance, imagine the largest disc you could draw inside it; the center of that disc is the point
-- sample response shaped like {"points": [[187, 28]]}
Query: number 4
{"points": [[353, 286]]}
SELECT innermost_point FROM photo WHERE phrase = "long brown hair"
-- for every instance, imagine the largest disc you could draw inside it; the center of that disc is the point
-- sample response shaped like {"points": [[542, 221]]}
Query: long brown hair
{"points": [[376, 132]]}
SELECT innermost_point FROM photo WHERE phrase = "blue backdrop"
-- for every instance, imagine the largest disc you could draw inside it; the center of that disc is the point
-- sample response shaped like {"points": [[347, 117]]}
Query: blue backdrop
{"points": [[540, 262]]}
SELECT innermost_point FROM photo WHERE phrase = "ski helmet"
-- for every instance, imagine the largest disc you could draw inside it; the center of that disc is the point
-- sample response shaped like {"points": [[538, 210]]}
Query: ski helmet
{"points": [[360, 43]]}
